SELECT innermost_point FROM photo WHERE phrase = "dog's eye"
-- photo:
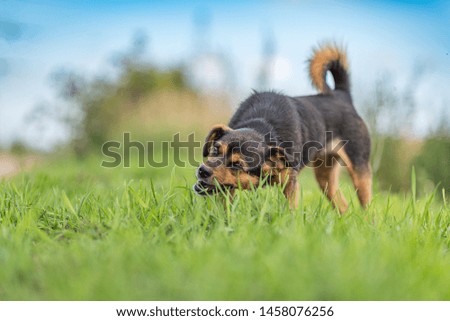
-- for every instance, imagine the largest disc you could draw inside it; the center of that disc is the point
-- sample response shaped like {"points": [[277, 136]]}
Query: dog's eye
{"points": [[214, 151]]}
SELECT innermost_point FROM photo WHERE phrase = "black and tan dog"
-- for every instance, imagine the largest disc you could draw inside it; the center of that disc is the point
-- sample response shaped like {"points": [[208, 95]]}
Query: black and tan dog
{"points": [[271, 137]]}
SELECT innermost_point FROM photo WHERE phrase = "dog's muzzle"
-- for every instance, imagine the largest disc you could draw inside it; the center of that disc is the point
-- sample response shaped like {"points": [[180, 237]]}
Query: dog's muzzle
{"points": [[201, 188], [205, 185]]}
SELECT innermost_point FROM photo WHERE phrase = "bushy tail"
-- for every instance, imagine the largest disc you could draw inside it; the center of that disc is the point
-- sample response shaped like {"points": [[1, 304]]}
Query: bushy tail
{"points": [[333, 58]]}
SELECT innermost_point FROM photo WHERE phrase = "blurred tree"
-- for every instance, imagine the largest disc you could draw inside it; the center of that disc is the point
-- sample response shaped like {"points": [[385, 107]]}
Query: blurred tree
{"points": [[96, 105], [433, 162]]}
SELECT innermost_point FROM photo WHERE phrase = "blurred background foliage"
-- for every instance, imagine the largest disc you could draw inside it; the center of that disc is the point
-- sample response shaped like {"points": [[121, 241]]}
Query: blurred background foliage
{"points": [[153, 103], [150, 103], [396, 149]]}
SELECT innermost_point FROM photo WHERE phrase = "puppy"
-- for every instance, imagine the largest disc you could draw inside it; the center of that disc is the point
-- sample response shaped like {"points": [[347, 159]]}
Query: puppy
{"points": [[272, 137]]}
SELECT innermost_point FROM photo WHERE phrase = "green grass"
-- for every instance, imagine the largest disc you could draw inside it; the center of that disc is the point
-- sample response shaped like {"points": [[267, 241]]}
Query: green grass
{"points": [[74, 231]]}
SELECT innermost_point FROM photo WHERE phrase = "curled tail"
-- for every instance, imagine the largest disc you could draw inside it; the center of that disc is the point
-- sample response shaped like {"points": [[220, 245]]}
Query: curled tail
{"points": [[329, 57]]}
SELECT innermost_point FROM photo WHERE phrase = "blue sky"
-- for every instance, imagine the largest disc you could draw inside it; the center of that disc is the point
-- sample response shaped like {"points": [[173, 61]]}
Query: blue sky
{"points": [[39, 37]]}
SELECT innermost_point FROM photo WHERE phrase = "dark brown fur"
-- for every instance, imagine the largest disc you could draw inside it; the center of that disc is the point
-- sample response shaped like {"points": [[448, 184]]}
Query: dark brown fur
{"points": [[271, 137]]}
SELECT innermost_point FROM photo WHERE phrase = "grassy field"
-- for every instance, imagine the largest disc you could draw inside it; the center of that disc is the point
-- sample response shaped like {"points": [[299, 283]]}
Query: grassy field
{"points": [[71, 230]]}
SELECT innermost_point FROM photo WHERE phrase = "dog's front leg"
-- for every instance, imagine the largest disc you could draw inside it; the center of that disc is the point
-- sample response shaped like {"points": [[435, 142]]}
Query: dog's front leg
{"points": [[292, 190]]}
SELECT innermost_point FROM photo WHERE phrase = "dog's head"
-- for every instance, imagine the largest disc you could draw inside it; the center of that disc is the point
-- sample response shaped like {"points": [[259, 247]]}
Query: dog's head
{"points": [[237, 158]]}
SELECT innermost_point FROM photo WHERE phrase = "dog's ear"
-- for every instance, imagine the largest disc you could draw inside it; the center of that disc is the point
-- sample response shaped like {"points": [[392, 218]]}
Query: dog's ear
{"points": [[216, 133]]}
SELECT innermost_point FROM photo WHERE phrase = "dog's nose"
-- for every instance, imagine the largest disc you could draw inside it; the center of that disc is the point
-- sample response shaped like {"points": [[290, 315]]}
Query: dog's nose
{"points": [[204, 172]]}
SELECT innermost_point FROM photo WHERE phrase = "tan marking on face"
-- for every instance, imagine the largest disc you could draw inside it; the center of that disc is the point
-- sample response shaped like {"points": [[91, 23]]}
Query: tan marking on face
{"points": [[247, 181], [223, 175], [235, 158], [223, 149], [227, 176]]}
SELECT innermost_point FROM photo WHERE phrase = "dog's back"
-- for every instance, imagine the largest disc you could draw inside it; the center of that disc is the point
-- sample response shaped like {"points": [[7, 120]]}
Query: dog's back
{"points": [[305, 119]]}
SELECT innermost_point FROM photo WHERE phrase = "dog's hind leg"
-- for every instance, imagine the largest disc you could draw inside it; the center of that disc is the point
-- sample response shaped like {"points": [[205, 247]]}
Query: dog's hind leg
{"points": [[359, 169], [361, 175], [362, 180], [327, 175], [356, 156]]}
